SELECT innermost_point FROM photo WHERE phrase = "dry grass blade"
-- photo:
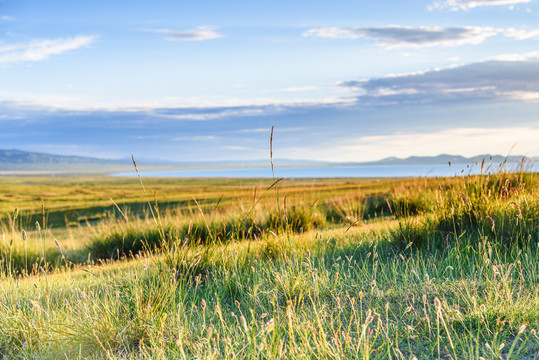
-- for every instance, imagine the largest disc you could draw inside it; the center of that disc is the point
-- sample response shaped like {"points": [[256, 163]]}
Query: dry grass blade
{"points": [[274, 183], [273, 175], [155, 218], [120, 210], [204, 218], [348, 228], [271, 151]]}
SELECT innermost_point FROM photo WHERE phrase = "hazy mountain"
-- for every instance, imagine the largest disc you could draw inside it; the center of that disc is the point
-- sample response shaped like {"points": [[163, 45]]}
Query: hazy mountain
{"points": [[12, 161], [25, 157], [445, 159], [24, 162], [17, 161]]}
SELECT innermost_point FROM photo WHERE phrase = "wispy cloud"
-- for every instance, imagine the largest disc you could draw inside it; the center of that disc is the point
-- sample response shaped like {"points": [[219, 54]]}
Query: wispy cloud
{"points": [[415, 37], [41, 49], [6, 18], [470, 4], [495, 79], [199, 33], [207, 114]]}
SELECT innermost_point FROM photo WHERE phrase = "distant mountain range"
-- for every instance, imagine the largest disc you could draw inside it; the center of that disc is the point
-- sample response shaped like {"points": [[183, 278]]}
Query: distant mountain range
{"points": [[23, 162], [17, 161], [25, 157], [445, 159]]}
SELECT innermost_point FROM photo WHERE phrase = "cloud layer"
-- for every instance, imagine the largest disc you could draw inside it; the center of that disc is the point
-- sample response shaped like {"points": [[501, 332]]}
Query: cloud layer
{"points": [[496, 79], [199, 33], [41, 49], [349, 133]]}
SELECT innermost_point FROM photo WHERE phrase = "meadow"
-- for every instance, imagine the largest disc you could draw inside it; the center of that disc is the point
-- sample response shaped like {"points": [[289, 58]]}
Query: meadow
{"points": [[108, 268]]}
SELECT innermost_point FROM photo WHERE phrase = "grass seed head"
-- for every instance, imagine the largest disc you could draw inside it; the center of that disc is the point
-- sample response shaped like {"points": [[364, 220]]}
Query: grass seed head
{"points": [[203, 305]]}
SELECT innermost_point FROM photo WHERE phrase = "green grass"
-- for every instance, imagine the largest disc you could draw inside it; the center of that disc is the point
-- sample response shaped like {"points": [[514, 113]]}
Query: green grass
{"points": [[437, 268]]}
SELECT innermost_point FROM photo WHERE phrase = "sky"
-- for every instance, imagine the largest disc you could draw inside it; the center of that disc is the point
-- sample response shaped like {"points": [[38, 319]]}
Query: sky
{"points": [[206, 80]]}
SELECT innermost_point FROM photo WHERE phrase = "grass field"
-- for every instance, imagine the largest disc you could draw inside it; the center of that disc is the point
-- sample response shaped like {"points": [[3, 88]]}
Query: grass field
{"points": [[249, 268]]}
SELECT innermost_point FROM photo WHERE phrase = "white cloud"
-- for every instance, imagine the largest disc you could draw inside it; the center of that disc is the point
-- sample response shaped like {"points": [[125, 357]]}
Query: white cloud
{"points": [[267, 130], [388, 92], [404, 36], [41, 49], [199, 33], [463, 141], [6, 18], [518, 57], [521, 34], [335, 33], [45, 102], [202, 116], [415, 37], [193, 107], [530, 96], [299, 88], [470, 4], [195, 138], [236, 148], [252, 131]]}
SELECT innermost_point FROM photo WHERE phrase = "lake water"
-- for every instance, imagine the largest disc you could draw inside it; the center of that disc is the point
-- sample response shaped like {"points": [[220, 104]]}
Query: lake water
{"points": [[373, 171]]}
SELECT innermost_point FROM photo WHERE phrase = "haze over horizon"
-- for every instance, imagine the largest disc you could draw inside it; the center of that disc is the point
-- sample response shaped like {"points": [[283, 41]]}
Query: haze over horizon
{"points": [[21, 157], [341, 81]]}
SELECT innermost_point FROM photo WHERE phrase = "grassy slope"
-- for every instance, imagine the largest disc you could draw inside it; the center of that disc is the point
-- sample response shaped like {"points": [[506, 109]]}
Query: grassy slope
{"points": [[452, 275]]}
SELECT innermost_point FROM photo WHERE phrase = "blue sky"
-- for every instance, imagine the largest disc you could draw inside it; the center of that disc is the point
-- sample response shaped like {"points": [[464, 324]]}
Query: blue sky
{"points": [[206, 80]]}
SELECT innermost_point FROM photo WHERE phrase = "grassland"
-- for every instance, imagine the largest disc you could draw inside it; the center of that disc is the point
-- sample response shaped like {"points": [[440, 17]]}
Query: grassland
{"points": [[307, 269]]}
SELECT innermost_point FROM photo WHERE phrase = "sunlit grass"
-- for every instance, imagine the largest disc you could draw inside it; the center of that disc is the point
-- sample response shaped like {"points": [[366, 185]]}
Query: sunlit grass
{"points": [[438, 268]]}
